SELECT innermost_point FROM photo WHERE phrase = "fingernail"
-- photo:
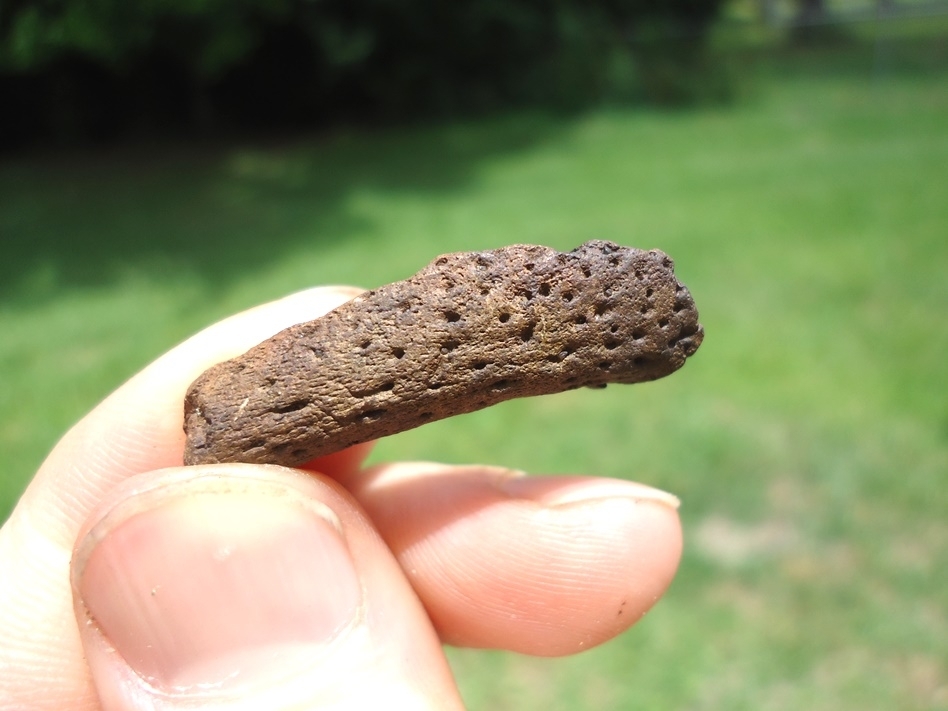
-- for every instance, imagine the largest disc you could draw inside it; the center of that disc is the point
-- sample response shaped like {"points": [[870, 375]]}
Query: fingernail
{"points": [[214, 581], [562, 491]]}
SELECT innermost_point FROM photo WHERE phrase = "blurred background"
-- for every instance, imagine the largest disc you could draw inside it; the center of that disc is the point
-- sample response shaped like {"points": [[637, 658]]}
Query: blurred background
{"points": [[166, 164]]}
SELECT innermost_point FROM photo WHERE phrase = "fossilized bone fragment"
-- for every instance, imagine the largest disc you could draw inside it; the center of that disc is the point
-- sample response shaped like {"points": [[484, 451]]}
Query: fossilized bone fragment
{"points": [[469, 330]]}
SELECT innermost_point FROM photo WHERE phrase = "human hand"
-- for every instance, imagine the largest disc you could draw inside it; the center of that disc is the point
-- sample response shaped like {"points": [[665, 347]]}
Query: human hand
{"points": [[130, 582]]}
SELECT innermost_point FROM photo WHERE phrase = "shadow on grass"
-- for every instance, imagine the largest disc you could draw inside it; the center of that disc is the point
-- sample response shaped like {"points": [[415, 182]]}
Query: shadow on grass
{"points": [[220, 211]]}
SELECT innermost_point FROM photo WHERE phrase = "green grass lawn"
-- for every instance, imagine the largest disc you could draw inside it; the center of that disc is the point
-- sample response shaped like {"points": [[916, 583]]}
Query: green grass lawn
{"points": [[808, 438]]}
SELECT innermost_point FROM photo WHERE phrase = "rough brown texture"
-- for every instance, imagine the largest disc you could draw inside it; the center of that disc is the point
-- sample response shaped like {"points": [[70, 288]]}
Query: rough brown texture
{"points": [[469, 330]]}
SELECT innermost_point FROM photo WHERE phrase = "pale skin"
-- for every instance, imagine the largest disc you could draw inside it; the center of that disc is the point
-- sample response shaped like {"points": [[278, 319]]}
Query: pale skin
{"points": [[131, 582]]}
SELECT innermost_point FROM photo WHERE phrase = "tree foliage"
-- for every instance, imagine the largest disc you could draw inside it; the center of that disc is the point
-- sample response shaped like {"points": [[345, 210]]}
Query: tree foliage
{"points": [[262, 61]]}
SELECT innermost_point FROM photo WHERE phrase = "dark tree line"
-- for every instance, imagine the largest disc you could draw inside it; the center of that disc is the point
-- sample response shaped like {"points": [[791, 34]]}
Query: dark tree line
{"points": [[79, 69]]}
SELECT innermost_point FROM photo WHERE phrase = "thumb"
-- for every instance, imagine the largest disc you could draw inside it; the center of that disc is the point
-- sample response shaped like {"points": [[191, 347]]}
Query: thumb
{"points": [[248, 587]]}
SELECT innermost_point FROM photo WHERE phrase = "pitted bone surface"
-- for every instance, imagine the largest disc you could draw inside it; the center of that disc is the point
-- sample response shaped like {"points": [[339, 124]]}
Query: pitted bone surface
{"points": [[470, 330]]}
